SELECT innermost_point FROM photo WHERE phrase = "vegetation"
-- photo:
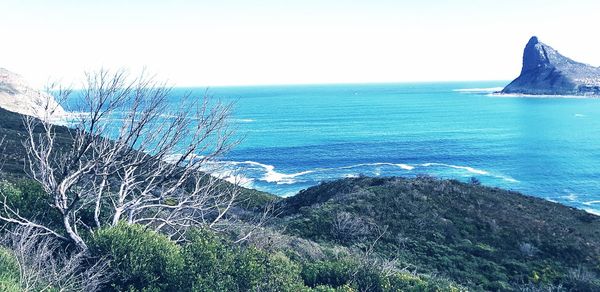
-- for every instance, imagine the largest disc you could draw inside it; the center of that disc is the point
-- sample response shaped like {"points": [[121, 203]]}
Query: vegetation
{"points": [[131, 257], [485, 238], [384, 253], [9, 271]]}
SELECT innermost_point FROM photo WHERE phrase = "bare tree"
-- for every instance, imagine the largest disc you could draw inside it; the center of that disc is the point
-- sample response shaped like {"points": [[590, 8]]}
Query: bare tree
{"points": [[43, 266], [347, 226], [132, 157]]}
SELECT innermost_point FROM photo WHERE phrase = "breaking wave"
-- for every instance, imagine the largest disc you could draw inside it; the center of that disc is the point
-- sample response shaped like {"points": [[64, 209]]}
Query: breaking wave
{"points": [[479, 90], [259, 175]]}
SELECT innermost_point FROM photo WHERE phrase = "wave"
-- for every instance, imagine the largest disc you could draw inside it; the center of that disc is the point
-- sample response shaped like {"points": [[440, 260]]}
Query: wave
{"points": [[244, 120], [497, 94], [592, 211], [268, 173], [591, 203], [479, 90], [467, 168], [570, 197], [471, 170], [234, 178], [400, 165], [272, 176]]}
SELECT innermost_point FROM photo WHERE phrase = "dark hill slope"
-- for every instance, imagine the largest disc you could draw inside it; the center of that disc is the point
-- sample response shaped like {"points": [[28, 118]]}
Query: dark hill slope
{"points": [[13, 133], [486, 238], [13, 155]]}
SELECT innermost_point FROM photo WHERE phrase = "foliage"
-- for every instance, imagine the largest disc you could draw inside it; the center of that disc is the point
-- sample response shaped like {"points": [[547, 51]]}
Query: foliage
{"points": [[348, 273], [485, 238], [215, 264], [30, 199], [140, 259], [9, 271]]}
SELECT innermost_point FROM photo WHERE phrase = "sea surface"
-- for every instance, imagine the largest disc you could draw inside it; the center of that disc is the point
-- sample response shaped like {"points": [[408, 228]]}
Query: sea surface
{"points": [[297, 136]]}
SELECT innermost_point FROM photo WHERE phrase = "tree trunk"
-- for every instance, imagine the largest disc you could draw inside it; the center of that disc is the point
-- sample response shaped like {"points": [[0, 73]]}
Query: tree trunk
{"points": [[77, 240]]}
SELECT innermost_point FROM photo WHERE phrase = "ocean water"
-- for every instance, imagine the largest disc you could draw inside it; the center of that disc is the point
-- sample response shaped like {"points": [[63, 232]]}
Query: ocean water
{"points": [[297, 136]]}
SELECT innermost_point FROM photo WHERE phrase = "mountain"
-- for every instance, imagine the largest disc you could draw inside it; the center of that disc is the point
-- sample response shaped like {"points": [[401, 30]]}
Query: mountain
{"points": [[546, 72], [18, 96]]}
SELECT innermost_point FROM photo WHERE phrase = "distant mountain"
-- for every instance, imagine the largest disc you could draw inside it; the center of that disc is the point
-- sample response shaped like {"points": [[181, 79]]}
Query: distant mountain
{"points": [[18, 96], [547, 72]]}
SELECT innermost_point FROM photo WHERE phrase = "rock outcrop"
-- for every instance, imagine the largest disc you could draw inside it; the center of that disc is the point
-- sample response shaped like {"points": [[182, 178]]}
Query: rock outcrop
{"points": [[546, 72], [18, 96]]}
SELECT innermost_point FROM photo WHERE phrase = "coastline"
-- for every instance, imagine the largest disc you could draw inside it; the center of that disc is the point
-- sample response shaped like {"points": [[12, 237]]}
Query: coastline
{"points": [[523, 95]]}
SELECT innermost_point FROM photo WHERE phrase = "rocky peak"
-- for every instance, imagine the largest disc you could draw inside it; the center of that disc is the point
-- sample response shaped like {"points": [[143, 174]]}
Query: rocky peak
{"points": [[18, 96], [545, 71]]}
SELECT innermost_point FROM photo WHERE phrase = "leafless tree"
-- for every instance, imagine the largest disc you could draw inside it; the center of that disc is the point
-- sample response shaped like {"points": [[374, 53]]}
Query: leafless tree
{"points": [[132, 157], [347, 226], [43, 266]]}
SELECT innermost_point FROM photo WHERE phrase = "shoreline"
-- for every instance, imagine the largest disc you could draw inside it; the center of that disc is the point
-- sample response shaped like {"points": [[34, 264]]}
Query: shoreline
{"points": [[523, 95]]}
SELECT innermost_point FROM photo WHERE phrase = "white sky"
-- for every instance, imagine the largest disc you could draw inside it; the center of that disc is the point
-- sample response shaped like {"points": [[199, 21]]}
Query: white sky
{"points": [[226, 42]]}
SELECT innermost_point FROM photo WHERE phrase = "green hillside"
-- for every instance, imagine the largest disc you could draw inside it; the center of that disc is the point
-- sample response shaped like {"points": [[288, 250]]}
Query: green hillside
{"points": [[486, 238]]}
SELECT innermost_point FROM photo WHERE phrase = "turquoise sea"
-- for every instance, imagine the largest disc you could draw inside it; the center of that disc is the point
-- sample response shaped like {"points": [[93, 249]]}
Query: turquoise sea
{"points": [[297, 136]]}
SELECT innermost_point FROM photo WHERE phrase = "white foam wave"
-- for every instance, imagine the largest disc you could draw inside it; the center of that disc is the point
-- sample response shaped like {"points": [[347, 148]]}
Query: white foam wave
{"points": [[592, 211], [472, 170], [467, 168], [508, 179], [273, 176], [479, 90], [579, 115], [268, 173], [570, 197], [172, 158], [234, 177], [497, 94], [244, 120], [591, 202], [400, 165]]}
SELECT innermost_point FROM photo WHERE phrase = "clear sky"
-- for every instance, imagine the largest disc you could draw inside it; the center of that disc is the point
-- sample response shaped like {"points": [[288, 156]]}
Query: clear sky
{"points": [[228, 42]]}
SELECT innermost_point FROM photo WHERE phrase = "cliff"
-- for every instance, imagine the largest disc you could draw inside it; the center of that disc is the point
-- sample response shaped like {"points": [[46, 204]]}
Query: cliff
{"points": [[546, 72], [18, 96]]}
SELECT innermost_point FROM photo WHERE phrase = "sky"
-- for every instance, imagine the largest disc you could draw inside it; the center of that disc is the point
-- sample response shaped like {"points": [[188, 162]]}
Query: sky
{"points": [[234, 42]]}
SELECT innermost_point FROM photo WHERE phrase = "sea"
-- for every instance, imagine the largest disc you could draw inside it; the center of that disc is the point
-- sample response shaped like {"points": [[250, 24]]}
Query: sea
{"points": [[296, 136]]}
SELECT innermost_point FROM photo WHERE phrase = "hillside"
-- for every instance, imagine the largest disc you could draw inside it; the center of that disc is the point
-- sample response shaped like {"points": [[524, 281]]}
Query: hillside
{"points": [[486, 238], [12, 130]]}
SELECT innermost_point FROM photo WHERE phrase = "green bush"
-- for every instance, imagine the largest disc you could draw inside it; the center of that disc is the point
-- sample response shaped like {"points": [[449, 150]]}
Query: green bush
{"points": [[28, 197], [329, 273], [9, 271], [215, 264], [282, 275], [140, 259], [208, 263]]}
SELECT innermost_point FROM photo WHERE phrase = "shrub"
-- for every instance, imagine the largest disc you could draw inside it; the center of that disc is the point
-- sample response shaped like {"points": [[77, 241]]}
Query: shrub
{"points": [[215, 264], [208, 263], [282, 275], [334, 273], [9, 271], [28, 197], [140, 259]]}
